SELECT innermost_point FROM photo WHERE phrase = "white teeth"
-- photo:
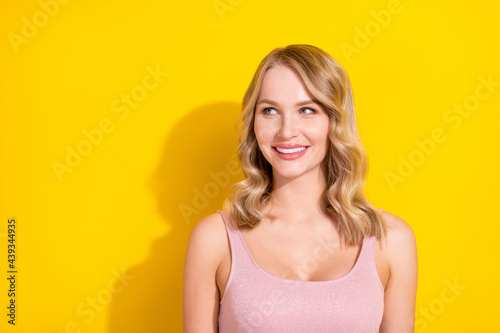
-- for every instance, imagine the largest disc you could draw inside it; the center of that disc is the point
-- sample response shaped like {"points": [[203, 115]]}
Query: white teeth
{"points": [[290, 151]]}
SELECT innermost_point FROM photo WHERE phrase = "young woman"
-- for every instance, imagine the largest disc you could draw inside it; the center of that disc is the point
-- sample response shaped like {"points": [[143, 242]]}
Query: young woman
{"points": [[298, 247]]}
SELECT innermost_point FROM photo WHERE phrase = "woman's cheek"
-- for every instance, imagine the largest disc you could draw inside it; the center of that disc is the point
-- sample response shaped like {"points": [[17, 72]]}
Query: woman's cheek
{"points": [[264, 132]]}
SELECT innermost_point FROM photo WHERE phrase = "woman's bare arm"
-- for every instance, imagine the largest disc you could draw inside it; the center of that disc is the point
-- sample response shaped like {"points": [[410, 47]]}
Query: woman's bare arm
{"points": [[401, 289], [200, 294]]}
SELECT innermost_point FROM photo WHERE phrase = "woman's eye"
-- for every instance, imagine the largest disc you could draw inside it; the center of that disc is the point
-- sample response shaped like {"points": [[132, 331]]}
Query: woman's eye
{"points": [[308, 109], [268, 110]]}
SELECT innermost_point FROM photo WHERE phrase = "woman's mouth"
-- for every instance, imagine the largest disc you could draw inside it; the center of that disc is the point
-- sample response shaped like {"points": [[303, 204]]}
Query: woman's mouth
{"points": [[291, 153]]}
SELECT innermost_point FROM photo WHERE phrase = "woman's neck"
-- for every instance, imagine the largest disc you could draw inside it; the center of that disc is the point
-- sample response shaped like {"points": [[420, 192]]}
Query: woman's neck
{"points": [[299, 198]]}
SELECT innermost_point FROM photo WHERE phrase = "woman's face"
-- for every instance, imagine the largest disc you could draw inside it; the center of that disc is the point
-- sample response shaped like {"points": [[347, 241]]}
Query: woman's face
{"points": [[291, 128]]}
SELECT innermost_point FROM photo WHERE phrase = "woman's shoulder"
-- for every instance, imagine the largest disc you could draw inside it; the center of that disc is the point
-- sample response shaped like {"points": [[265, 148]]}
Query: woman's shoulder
{"points": [[400, 244], [399, 230], [210, 223], [210, 228], [209, 236]]}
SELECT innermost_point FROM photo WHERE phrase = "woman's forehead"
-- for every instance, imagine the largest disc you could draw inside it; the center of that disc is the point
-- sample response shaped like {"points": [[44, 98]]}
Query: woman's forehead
{"points": [[283, 82]]}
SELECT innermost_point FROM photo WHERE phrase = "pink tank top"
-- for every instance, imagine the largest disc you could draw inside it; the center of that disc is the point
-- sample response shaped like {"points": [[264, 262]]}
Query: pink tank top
{"points": [[257, 301]]}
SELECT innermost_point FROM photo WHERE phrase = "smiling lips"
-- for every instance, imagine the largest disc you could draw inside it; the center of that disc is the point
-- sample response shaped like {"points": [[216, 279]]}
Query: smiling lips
{"points": [[290, 151]]}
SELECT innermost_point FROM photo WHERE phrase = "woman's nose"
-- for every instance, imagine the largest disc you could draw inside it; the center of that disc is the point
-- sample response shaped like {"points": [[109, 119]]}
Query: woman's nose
{"points": [[288, 127]]}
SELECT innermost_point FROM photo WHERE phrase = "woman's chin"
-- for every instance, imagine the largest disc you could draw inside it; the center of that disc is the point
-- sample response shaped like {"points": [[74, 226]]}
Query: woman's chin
{"points": [[289, 173]]}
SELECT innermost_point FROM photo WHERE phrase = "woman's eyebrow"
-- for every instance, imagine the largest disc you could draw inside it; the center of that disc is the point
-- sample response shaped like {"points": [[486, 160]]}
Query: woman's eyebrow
{"points": [[306, 102]]}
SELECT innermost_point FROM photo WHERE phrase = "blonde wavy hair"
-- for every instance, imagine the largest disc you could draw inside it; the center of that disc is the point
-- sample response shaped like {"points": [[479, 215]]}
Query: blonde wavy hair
{"points": [[346, 161]]}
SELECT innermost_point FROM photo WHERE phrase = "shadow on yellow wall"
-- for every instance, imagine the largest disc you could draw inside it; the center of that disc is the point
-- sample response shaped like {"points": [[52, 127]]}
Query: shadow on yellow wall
{"points": [[190, 182]]}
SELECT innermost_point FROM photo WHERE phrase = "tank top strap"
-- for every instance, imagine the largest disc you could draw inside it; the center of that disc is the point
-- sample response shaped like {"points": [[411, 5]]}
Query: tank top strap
{"points": [[367, 254], [239, 257], [230, 224], [366, 264]]}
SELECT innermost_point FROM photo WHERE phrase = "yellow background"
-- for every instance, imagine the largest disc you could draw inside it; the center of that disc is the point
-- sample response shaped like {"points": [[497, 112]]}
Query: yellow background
{"points": [[118, 212]]}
